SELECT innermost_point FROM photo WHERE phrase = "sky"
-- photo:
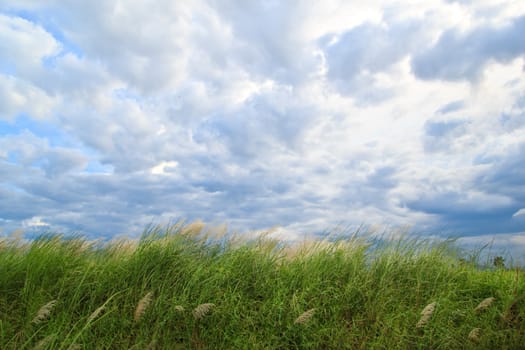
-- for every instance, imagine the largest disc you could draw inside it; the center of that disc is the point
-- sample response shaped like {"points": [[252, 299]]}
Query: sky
{"points": [[302, 115]]}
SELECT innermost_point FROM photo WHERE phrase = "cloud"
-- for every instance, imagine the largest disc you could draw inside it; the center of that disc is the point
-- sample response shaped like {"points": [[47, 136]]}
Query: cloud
{"points": [[24, 46], [34, 222], [480, 201], [130, 40], [18, 97], [60, 161], [443, 136], [355, 58], [513, 119], [17, 35], [506, 176], [464, 55], [239, 130], [466, 204], [163, 168], [304, 115], [17, 206], [519, 212], [451, 107], [32, 151]]}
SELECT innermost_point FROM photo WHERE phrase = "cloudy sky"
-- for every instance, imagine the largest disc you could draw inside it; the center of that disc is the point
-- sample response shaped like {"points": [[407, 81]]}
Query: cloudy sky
{"points": [[304, 114]]}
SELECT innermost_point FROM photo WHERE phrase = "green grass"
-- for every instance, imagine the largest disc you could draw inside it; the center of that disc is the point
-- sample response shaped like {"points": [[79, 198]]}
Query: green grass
{"points": [[364, 295]]}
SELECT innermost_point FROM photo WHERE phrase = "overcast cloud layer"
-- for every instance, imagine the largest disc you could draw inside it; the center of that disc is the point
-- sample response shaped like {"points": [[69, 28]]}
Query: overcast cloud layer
{"points": [[304, 114]]}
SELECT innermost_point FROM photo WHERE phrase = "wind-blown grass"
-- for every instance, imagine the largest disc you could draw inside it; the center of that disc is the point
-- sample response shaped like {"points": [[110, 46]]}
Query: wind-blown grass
{"points": [[190, 290]]}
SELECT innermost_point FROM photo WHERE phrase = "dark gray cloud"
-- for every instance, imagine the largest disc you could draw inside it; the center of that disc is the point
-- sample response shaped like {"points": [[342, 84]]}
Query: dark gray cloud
{"points": [[440, 136], [451, 107], [483, 204], [514, 118], [240, 130], [372, 190], [17, 205], [460, 213], [463, 56], [507, 176], [269, 42], [485, 201], [353, 57], [32, 151]]}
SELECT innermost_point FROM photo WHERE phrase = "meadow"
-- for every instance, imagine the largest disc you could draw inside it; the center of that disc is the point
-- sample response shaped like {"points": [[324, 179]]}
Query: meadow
{"points": [[190, 287]]}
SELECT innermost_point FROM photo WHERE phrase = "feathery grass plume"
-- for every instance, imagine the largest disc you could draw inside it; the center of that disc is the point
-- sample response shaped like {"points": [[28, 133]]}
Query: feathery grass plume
{"points": [[201, 310], [43, 344], [194, 229], [17, 235], [44, 312], [305, 316], [96, 313], [123, 246], [474, 335], [179, 308], [302, 249], [152, 345], [142, 306], [484, 304], [426, 314], [219, 232]]}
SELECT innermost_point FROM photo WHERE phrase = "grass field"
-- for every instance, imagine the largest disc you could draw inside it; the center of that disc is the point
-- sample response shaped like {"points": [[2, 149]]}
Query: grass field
{"points": [[181, 287]]}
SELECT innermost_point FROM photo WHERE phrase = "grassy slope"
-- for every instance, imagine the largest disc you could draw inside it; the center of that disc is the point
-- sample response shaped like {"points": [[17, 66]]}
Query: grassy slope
{"points": [[364, 297]]}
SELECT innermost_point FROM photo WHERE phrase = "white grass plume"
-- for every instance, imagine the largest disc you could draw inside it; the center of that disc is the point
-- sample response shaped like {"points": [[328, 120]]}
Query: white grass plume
{"points": [[152, 345], [475, 335], [202, 310], [426, 314], [484, 304], [44, 312], [96, 313], [142, 306], [179, 308], [305, 316], [194, 229], [44, 343]]}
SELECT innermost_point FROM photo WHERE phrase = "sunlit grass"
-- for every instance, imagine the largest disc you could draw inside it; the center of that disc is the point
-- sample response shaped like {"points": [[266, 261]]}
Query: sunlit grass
{"points": [[187, 287]]}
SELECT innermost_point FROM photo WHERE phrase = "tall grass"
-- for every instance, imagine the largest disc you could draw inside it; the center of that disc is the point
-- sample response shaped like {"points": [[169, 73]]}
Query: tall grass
{"points": [[180, 287]]}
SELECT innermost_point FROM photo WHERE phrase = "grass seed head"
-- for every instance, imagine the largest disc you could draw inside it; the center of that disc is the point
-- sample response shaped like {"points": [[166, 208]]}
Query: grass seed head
{"points": [[194, 229], [202, 310], [179, 308], [484, 304], [305, 316], [426, 314], [474, 335], [44, 312], [44, 343], [95, 314], [152, 345], [142, 306]]}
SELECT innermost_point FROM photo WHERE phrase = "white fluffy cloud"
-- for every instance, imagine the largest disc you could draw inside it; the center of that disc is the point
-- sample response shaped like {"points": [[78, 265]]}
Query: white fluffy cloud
{"points": [[18, 96], [116, 114], [24, 45]]}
